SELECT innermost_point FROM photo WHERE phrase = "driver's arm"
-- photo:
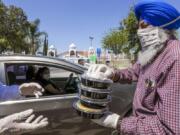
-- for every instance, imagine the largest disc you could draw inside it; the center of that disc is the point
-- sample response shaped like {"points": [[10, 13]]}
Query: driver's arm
{"points": [[50, 88]]}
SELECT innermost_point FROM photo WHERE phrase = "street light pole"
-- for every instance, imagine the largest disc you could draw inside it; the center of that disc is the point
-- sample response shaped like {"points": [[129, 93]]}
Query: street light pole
{"points": [[134, 3], [91, 39]]}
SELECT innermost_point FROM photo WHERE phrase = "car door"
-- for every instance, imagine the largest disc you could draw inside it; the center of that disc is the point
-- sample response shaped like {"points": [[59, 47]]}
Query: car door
{"points": [[63, 119]]}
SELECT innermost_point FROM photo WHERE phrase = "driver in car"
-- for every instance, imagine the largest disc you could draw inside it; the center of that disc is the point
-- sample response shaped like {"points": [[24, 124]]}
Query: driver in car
{"points": [[43, 78]]}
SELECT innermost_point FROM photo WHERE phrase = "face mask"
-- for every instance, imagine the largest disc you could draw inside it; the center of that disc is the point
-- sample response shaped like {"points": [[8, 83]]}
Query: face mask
{"points": [[152, 36], [46, 76]]}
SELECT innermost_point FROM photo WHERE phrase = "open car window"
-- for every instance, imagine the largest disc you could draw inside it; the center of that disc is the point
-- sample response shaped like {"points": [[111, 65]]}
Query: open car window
{"points": [[59, 79]]}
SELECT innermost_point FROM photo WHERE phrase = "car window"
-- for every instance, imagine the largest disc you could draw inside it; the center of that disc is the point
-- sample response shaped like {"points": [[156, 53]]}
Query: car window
{"points": [[15, 74], [58, 81], [58, 72]]}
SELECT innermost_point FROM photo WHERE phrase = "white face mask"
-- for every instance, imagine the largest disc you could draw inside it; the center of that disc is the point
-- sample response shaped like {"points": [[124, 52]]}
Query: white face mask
{"points": [[152, 36], [152, 41], [46, 76]]}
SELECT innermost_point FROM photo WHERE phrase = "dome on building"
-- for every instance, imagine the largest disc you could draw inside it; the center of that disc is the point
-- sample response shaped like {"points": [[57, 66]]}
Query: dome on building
{"points": [[72, 46], [52, 47]]}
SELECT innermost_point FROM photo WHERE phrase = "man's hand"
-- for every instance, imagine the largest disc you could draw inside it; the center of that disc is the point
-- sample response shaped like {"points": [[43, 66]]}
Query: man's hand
{"points": [[109, 120], [31, 89], [22, 122], [100, 71]]}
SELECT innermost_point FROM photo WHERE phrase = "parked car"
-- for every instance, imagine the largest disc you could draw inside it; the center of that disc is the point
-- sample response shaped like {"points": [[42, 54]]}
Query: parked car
{"points": [[62, 117]]}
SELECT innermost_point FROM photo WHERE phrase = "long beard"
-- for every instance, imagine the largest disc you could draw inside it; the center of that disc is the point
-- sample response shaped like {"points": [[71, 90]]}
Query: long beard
{"points": [[146, 56]]}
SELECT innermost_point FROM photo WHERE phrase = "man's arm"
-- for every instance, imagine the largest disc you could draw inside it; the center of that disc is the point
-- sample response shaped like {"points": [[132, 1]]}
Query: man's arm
{"points": [[127, 75], [167, 120], [9, 92]]}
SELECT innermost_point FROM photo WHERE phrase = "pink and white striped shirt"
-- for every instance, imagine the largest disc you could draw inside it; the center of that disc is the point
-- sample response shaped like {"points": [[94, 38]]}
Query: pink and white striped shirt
{"points": [[156, 105]]}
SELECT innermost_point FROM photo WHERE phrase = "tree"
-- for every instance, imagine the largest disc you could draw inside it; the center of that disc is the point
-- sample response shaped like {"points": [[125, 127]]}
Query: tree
{"points": [[16, 27], [131, 25], [45, 47], [3, 32], [125, 38], [13, 28], [115, 40], [34, 35], [16, 32]]}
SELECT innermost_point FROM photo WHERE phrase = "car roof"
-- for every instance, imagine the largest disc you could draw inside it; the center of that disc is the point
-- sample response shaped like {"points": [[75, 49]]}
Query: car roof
{"points": [[42, 59]]}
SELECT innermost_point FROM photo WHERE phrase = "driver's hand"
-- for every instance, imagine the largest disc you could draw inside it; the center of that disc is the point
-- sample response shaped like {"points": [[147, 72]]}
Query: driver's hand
{"points": [[31, 89], [100, 71]]}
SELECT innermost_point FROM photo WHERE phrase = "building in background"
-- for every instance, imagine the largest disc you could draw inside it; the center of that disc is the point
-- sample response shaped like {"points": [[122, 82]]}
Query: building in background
{"points": [[92, 55], [74, 55], [52, 51]]}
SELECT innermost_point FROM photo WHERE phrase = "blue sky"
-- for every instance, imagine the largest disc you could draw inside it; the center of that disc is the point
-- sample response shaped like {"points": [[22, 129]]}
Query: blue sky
{"points": [[68, 21]]}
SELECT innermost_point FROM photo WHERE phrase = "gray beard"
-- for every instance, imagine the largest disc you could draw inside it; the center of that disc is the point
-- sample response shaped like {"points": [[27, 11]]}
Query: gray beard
{"points": [[146, 56]]}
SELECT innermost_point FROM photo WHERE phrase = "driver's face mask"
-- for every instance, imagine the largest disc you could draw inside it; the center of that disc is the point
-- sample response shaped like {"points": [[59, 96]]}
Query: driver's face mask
{"points": [[152, 36], [46, 76]]}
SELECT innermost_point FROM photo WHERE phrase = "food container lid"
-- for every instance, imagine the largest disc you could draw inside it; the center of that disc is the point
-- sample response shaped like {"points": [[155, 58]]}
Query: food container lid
{"points": [[95, 101], [86, 77], [89, 89], [78, 106]]}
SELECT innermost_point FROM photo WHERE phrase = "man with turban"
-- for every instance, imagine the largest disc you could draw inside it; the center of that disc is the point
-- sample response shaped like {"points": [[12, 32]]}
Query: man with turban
{"points": [[156, 104]]}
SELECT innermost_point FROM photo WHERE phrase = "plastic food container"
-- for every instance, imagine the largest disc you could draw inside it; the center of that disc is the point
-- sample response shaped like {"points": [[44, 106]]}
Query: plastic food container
{"points": [[94, 93], [95, 103], [88, 112], [95, 83], [94, 97]]}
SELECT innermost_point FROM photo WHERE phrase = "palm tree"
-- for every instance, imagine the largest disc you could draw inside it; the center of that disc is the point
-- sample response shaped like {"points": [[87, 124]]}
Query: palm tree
{"points": [[34, 36], [45, 46]]}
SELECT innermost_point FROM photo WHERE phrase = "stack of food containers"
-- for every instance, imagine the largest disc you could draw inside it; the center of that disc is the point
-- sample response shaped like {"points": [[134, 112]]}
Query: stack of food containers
{"points": [[94, 97]]}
